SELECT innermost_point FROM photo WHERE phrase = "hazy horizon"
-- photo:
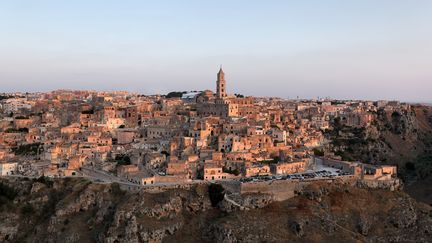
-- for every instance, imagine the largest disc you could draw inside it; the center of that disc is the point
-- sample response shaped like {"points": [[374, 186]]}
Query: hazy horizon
{"points": [[343, 50]]}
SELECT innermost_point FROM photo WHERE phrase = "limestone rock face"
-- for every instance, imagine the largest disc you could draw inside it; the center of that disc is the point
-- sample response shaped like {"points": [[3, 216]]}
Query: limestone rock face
{"points": [[8, 227], [314, 192], [173, 206], [257, 200], [37, 186], [220, 233], [232, 202], [79, 211], [404, 216]]}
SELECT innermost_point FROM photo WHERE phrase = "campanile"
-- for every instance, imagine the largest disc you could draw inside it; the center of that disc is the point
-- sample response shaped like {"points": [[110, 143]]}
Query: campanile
{"points": [[221, 84]]}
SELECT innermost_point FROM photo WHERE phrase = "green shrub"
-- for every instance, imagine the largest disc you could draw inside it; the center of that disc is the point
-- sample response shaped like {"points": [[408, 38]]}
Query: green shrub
{"points": [[235, 172], [28, 149], [318, 152], [269, 161], [122, 159], [13, 130], [175, 94]]}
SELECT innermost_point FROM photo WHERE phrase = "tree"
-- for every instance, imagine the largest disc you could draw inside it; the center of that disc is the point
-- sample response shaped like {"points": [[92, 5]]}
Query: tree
{"points": [[235, 172], [28, 149], [165, 153], [175, 94], [122, 159], [318, 152]]}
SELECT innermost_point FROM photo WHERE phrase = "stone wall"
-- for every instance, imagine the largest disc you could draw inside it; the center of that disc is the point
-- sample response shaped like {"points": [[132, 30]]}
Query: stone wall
{"points": [[392, 185], [280, 190], [231, 186]]}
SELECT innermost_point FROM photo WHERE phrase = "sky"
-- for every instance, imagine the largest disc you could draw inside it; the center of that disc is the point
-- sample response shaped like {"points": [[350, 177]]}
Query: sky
{"points": [[342, 49]]}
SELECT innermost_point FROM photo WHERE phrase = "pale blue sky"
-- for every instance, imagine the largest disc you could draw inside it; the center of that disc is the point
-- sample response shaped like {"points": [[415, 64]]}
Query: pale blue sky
{"points": [[370, 49]]}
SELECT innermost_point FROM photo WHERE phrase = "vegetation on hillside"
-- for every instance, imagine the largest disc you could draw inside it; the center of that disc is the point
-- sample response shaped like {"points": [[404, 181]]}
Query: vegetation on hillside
{"points": [[216, 193], [19, 130], [235, 172], [122, 159], [28, 149]]}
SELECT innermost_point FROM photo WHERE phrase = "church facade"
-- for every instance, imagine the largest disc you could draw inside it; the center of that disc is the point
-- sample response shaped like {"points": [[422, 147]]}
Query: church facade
{"points": [[221, 104]]}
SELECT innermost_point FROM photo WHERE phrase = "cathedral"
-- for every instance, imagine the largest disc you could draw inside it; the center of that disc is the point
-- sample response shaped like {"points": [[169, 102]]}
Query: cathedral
{"points": [[221, 104]]}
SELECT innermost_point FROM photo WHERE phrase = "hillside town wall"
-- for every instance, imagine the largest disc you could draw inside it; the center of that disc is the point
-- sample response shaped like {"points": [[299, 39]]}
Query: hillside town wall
{"points": [[280, 190]]}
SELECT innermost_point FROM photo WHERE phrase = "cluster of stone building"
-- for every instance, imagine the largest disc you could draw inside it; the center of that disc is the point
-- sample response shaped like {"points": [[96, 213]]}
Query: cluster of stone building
{"points": [[360, 170], [154, 139]]}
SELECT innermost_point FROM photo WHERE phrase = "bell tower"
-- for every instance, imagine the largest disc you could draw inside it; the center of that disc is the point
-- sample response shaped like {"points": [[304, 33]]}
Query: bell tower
{"points": [[221, 84]]}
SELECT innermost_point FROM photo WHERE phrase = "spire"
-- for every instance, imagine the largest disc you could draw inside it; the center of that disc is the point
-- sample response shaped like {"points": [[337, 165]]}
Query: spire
{"points": [[220, 69]]}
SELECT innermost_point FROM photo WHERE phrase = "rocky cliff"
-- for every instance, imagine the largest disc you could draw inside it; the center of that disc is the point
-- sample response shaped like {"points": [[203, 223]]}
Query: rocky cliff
{"points": [[78, 211], [402, 138]]}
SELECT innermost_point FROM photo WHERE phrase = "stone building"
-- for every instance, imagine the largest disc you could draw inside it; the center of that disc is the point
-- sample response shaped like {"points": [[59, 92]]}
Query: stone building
{"points": [[7, 168], [221, 106], [289, 168]]}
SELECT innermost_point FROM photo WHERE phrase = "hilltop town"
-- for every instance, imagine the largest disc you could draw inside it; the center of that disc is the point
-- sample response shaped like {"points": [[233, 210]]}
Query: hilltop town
{"points": [[183, 137], [89, 166]]}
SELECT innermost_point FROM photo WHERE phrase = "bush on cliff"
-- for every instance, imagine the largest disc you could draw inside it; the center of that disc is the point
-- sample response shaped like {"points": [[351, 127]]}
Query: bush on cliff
{"points": [[216, 193], [122, 159], [7, 193]]}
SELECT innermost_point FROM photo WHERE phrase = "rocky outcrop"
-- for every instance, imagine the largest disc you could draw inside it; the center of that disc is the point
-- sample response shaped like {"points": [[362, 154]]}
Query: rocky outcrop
{"points": [[314, 192], [221, 233], [78, 211], [173, 206], [126, 228], [404, 216], [392, 185], [401, 137], [247, 201], [8, 227], [297, 227]]}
